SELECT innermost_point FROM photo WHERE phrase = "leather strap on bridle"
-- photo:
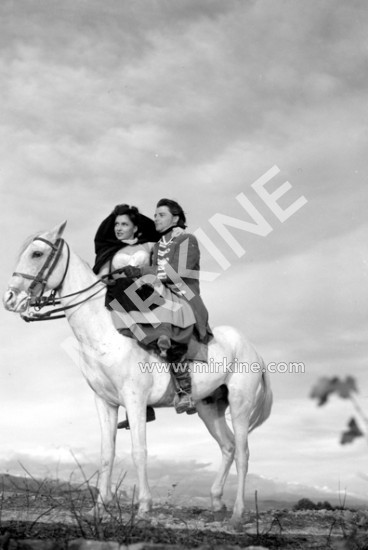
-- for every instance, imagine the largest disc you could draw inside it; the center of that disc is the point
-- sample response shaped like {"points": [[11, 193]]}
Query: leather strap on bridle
{"points": [[42, 277], [47, 268], [50, 315]]}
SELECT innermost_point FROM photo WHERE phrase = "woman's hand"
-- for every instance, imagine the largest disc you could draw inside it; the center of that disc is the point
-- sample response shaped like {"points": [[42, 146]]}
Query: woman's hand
{"points": [[131, 271]]}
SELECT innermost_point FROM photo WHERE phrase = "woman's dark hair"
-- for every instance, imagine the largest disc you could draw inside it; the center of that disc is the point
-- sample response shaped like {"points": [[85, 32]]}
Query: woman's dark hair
{"points": [[125, 210], [106, 242], [175, 209]]}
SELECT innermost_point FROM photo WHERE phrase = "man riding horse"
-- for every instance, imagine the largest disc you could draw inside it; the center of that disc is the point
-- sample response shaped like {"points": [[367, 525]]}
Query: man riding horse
{"points": [[175, 262]]}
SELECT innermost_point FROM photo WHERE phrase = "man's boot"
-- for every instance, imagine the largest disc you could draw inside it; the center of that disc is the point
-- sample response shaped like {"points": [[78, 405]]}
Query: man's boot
{"points": [[183, 401]]}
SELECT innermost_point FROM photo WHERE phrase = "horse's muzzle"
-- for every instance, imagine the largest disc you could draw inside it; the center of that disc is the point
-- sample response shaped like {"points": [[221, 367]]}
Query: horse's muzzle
{"points": [[15, 300]]}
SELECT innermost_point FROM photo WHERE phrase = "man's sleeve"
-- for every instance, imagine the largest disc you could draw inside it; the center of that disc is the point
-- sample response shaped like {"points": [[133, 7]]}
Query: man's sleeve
{"points": [[185, 261]]}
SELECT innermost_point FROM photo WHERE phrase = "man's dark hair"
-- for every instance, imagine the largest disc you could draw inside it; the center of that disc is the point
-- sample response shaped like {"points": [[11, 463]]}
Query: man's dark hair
{"points": [[175, 209]]}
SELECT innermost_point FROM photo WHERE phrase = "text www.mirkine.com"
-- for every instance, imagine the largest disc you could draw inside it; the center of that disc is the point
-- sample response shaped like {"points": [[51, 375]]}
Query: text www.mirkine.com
{"points": [[224, 366]]}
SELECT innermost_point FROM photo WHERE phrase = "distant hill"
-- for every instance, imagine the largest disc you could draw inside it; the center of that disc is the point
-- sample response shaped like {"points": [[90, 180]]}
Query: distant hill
{"points": [[21, 484], [271, 494]]}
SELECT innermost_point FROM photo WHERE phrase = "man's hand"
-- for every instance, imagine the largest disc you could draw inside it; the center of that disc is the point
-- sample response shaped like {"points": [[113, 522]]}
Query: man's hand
{"points": [[131, 271], [177, 231]]}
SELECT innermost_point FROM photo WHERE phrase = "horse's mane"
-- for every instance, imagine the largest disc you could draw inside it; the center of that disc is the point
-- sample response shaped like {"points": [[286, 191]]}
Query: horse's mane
{"points": [[85, 263]]}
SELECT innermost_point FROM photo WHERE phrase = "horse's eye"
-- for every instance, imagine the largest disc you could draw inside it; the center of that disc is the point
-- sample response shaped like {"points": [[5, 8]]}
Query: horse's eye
{"points": [[37, 254]]}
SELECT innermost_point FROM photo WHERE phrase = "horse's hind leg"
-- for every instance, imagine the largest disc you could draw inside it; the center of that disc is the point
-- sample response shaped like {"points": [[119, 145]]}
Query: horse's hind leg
{"points": [[213, 415], [241, 404], [136, 405]]}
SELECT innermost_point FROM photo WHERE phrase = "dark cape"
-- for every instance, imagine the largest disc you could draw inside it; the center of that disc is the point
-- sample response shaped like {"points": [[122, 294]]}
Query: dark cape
{"points": [[106, 243]]}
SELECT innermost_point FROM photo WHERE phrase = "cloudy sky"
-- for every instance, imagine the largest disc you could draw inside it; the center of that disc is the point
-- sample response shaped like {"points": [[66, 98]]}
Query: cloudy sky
{"points": [[122, 101]]}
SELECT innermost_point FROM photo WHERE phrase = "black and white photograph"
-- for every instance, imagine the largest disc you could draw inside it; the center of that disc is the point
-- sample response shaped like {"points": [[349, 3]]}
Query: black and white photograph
{"points": [[184, 274]]}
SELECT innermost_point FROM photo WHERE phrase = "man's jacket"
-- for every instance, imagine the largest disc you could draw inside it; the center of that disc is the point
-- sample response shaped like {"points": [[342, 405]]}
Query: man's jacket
{"points": [[182, 277]]}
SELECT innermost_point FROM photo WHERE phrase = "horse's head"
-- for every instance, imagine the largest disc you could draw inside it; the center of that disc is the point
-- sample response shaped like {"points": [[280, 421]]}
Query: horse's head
{"points": [[41, 266]]}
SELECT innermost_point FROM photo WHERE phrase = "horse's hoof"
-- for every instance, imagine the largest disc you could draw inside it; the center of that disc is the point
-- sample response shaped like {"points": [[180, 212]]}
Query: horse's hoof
{"points": [[237, 523], [218, 505], [220, 513], [144, 511]]}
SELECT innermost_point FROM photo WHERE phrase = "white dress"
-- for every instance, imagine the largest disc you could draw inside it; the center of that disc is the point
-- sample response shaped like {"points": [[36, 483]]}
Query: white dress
{"points": [[138, 255], [133, 254]]}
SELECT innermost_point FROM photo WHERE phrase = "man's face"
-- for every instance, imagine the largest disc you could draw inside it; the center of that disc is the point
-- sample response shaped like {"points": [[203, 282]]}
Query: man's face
{"points": [[164, 219]]}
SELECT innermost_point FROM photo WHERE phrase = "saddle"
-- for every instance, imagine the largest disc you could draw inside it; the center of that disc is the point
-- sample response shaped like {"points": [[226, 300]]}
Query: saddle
{"points": [[197, 351], [194, 350]]}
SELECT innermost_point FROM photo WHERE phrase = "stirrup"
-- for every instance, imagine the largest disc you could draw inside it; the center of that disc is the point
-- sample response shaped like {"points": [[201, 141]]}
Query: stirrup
{"points": [[150, 417]]}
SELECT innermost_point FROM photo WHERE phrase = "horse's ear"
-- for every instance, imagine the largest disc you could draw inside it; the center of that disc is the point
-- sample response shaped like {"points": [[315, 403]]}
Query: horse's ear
{"points": [[57, 231]]}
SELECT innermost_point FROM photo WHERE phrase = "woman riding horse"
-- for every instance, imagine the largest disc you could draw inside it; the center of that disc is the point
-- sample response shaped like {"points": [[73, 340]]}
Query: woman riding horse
{"points": [[125, 240]]}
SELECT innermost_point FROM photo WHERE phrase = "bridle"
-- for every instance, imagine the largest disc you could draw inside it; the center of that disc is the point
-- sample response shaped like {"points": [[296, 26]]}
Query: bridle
{"points": [[47, 269], [42, 277]]}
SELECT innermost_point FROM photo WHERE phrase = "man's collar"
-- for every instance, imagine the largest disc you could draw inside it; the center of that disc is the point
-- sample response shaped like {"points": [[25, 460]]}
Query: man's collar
{"points": [[168, 230]]}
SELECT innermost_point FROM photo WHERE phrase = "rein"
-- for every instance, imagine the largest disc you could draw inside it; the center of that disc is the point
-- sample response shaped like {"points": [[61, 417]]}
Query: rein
{"points": [[42, 277]]}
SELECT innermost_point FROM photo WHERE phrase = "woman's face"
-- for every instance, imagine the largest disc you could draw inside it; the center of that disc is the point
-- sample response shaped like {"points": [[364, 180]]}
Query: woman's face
{"points": [[124, 227]]}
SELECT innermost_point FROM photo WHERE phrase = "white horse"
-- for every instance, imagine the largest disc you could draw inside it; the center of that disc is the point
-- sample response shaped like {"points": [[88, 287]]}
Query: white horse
{"points": [[110, 366]]}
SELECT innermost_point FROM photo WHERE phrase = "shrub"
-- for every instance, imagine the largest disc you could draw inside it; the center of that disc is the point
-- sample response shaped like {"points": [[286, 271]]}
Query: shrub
{"points": [[305, 504]]}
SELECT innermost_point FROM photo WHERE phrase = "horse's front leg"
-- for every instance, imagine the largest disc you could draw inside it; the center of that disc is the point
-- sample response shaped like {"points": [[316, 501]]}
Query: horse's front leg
{"points": [[108, 417], [136, 410]]}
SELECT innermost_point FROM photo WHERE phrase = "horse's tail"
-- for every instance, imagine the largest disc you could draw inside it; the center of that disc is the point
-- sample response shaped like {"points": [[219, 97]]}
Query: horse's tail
{"points": [[263, 404]]}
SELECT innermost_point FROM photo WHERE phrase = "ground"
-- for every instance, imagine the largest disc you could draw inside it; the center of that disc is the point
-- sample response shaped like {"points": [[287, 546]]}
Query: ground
{"points": [[42, 514]]}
